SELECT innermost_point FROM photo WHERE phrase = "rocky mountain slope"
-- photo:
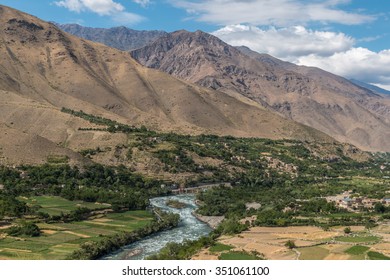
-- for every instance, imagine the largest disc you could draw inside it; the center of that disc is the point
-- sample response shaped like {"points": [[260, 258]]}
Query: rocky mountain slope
{"points": [[43, 69], [121, 38], [307, 95]]}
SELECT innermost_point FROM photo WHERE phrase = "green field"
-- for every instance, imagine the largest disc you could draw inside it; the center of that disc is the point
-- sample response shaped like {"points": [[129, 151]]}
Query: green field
{"points": [[376, 256], [357, 250], [358, 239], [219, 247], [55, 205], [60, 239], [237, 256]]}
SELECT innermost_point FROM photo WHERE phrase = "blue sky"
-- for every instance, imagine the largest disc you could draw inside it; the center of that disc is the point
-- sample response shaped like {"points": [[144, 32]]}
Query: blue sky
{"points": [[347, 37]]}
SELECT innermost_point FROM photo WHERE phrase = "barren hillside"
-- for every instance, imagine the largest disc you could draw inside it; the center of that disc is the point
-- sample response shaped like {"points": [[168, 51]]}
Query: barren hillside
{"points": [[307, 95], [43, 69]]}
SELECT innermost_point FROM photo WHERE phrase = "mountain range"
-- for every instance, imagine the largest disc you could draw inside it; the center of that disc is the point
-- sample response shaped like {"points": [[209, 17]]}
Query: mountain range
{"points": [[121, 37], [43, 69], [348, 110], [308, 95], [370, 87]]}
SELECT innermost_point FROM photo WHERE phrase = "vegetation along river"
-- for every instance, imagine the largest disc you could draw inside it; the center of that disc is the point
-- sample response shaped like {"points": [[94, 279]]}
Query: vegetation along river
{"points": [[189, 228]]}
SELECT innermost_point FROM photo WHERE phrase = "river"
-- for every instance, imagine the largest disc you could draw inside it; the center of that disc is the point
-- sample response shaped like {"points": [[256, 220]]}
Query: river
{"points": [[189, 228]]}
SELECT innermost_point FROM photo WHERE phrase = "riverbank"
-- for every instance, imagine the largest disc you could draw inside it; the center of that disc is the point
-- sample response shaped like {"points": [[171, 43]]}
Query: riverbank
{"points": [[212, 221]]}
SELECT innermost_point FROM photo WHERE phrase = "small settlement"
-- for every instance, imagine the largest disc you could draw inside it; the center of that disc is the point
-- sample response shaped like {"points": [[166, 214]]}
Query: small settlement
{"points": [[351, 202]]}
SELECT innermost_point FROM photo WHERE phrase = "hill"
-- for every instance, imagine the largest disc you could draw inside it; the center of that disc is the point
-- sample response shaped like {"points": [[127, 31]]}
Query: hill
{"points": [[44, 69], [307, 95]]}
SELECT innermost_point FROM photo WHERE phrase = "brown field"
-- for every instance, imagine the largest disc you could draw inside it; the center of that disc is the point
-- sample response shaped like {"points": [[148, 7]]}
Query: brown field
{"points": [[312, 243]]}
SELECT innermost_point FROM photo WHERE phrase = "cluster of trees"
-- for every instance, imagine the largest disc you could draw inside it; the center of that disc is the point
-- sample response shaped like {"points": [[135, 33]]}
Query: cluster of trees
{"points": [[176, 161], [184, 250], [381, 208], [12, 207], [96, 183], [27, 229]]}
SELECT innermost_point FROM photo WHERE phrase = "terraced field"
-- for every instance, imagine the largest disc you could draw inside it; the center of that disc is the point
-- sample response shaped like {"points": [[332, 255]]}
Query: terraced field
{"points": [[312, 243], [58, 240]]}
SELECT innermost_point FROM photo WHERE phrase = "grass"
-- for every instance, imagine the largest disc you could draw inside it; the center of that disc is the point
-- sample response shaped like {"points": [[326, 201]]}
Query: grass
{"points": [[54, 205], [219, 247], [377, 256], [60, 239], [357, 250], [237, 256], [313, 253], [358, 239]]}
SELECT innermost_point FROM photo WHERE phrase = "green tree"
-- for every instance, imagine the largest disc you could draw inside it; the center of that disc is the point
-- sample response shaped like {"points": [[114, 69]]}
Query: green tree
{"points": [[347, 230], [290, 244]]}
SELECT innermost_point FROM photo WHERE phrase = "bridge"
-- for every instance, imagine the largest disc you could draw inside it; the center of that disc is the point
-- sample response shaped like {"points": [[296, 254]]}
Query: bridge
{"points": [[199, 188]]}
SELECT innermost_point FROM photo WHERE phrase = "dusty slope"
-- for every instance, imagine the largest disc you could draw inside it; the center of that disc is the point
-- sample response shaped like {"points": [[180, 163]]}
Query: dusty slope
{"points": [[19, 147], [308, 95], [43, 64]]}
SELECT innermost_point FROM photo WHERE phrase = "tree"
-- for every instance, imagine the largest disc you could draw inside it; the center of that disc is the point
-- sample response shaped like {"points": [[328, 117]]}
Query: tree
{"points": [[347, 230], [379, 208], [290, 244], [25, 229]]}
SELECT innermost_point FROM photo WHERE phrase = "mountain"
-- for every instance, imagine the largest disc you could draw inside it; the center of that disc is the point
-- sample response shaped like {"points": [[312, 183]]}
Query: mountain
{"points": [[43, 69], [121, 38], [308, 95], [370, 87]]}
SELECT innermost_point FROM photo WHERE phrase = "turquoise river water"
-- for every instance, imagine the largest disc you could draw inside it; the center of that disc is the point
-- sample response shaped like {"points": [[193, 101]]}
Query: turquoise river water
{"points": [[189, 228]]}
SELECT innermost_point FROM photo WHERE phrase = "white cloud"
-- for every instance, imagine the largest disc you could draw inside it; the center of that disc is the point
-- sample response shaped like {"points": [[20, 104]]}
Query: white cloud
{"points": [[331, 51], [143, 3], [286, 43], [271, 12], [102, 8], [72, 5], [358, 63]]}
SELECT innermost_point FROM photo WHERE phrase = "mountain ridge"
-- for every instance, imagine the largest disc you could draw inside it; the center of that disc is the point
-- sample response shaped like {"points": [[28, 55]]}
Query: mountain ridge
{"points": [[307, 95], [120, 37], [370, 87], [43, 69]]}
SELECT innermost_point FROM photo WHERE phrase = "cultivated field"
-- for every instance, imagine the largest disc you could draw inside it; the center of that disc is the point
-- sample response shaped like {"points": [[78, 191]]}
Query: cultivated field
{"points": [[55, 205], [312, 243], [58, 240]]}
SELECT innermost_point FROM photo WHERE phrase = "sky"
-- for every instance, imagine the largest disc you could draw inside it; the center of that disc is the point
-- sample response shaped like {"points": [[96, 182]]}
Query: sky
{"points": [[350, 38]]}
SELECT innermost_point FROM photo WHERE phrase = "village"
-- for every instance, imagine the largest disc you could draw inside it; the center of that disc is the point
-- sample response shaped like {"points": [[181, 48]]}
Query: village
{"points": [[352, 202]]}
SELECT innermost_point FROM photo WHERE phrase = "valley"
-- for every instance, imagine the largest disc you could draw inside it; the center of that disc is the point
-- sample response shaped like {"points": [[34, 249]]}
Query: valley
{"points": [[288, 181], [105, 151]]}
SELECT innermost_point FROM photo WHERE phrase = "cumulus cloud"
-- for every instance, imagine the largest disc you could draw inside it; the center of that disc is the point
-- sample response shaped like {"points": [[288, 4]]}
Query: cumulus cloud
{"points": [[285, 43], [358, 63], [331, 51], [102, 8], [271, 12]]}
